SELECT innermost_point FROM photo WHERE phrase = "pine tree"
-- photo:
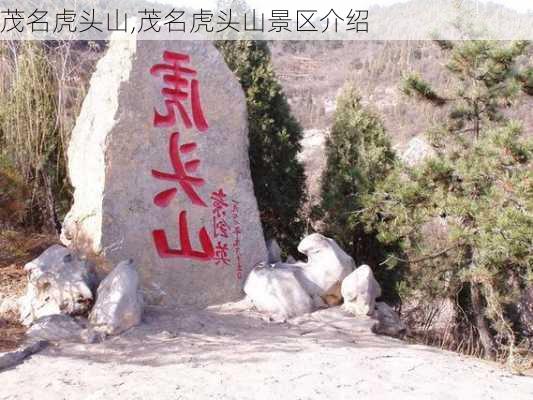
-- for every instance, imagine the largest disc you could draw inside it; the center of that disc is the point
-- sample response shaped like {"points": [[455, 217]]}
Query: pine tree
{"points": [[359, 155], [480, 184], [278, 177]]}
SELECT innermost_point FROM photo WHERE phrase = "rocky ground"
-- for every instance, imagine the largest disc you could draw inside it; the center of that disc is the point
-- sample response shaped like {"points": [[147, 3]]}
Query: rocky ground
{"points": [[228, 353]]}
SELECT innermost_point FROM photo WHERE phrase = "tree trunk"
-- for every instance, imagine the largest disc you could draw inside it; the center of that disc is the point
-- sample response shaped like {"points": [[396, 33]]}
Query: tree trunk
{"points": [[476, 297], [481, 323]]}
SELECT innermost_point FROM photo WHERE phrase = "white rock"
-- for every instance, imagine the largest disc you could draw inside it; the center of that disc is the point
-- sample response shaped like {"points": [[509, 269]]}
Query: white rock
{"points": [[417, 151], [56, 328], [135, 197], [59, 282], [360, 290], [276, 292], [327, 265], [389, 322], [119, 303]]}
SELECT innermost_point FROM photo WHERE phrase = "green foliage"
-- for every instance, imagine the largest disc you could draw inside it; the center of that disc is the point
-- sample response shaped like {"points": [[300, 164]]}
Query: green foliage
{"points": [[526, 77], [464, 218], [414, 85], [275, 135], [359, 155]]}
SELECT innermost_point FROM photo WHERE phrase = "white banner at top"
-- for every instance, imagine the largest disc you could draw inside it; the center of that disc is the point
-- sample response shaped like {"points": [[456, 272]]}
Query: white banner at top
{"points": [[241, 20]]}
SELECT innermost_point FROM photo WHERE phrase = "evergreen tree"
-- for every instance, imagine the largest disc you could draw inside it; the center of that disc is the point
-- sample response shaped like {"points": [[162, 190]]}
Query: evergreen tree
{"points": [[279, 179], [359, 155], [479, 185]]}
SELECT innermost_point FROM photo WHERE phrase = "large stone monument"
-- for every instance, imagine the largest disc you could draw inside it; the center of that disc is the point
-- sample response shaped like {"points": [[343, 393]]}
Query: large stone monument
{"points": [[159, 163]]}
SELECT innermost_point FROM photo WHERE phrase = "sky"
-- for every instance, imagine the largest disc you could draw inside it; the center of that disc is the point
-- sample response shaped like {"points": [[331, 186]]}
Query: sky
{"points": [[519, 5]]}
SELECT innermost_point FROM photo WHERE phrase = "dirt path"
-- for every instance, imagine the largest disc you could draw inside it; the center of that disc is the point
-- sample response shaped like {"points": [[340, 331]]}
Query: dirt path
{"points": [[222, 353]]}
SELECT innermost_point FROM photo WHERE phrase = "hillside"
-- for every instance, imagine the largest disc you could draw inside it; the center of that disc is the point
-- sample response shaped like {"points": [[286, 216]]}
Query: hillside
{"points": [[312, 73]]}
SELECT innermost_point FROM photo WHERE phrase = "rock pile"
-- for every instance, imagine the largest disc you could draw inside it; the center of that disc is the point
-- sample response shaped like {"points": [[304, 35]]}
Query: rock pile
{"points": [[283, 290], [327, 265], [61, 292], [59, 282]]}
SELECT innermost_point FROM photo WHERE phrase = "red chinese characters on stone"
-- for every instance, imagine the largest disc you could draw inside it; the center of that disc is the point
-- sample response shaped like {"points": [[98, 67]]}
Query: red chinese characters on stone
{"points": [[220, 226], [186, 250], [180, 174], [181, 87], [222, 254], [219, 203], [237, 234]]}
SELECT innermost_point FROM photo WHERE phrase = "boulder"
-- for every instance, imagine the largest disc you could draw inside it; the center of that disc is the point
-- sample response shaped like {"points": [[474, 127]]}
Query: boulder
{"points": [[327, 265], [277, 292], [56, 328], [360, 290], [59, 282], [160, 168], [389, 322], [417, 151], [119, 302], [274, 251]]}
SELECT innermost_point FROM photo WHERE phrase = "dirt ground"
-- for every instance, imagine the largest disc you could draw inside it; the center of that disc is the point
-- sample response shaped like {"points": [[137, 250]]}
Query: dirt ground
{"points": [[12, 335], [227, 353]]}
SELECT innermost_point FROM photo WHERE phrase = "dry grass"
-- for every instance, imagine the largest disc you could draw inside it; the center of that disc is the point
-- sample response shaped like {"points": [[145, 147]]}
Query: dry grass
{"points": [[17, 247], [462, 337], [41, 90], [312, 73]]}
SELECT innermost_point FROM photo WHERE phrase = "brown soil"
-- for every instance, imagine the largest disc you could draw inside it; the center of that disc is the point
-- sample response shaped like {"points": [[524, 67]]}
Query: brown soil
{"points": [[11, 335], [19, 247]]}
